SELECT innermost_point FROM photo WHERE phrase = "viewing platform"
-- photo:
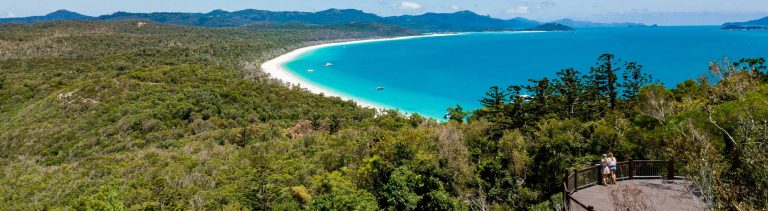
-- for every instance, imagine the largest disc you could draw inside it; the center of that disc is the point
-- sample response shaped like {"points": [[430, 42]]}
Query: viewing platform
{"points": [[641, 185]]}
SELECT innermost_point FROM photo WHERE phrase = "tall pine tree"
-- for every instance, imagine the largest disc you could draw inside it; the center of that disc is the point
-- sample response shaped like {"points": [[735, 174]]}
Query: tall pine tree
{"points": [[570, 89], [603, 82], [633, 80]]}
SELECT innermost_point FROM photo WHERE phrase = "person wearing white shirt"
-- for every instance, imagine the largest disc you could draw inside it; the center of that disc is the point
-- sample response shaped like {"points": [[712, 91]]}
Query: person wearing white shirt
{"points": [[612, 166]]}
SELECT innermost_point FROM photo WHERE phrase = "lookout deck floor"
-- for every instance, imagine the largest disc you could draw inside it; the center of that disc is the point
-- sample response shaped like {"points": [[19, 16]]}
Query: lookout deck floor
{"points": [[651, 194]]}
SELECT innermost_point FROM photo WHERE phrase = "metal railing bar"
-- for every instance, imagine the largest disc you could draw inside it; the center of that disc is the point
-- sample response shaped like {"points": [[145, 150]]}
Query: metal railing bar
{"points": [[626, 170]]}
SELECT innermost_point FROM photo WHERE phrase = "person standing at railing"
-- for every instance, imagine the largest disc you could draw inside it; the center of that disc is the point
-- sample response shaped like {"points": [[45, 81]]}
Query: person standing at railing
{"points": [[612, 166], [604, 169]]}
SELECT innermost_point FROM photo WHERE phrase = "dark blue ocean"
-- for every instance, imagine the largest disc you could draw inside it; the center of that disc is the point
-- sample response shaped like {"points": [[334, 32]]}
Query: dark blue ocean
{"points": [[427, 75]]}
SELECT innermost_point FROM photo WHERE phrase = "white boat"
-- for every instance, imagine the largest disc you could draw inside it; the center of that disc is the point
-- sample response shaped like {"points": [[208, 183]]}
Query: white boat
{"points": [[310, 70], [328, 64], [379, 88]]}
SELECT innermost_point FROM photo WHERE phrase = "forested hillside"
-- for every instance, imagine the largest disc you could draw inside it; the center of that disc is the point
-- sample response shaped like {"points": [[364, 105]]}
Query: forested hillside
{"points": [[138, 115], [428, 22]]}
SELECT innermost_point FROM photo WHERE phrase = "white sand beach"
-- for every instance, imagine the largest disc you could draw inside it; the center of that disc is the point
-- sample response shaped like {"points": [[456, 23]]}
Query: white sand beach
{"points": [[275, 68]]}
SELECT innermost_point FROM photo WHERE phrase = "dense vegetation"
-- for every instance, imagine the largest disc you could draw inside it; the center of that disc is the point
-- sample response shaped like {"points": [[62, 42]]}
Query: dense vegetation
{"points": [[714, 128], [134, 115]]}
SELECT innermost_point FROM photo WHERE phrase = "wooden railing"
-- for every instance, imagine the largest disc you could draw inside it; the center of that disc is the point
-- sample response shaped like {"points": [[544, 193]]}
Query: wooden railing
{"points": [[627, 170]]}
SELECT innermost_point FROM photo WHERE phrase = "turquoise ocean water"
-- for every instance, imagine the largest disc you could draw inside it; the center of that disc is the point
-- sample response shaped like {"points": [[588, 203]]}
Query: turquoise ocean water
{"points": [[427, 75]]}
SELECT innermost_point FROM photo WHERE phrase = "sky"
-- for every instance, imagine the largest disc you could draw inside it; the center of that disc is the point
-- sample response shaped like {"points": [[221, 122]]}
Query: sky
{"points": [[662, 12]]}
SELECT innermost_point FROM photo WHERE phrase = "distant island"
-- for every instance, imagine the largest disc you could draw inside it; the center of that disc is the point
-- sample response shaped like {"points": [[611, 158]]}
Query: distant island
{"points": [[462, 21], [759, 24], [642, 26], [737, 27], [551, 27], [587, 24]]}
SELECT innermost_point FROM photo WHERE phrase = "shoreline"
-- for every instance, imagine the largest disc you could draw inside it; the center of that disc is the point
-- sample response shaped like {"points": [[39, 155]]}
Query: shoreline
{"points": [[276, 70]]}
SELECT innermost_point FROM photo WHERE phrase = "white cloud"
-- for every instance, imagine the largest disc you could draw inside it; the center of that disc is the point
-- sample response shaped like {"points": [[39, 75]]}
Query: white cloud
{"points": [[547, 4], [454, 7], [518, 10], [410, 5], [9, 14]]}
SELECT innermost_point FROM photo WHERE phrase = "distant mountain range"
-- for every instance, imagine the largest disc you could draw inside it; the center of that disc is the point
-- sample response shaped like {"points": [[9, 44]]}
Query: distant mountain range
{"points": [[428, 22], [458, 21], [54, 16], [759, 24]]}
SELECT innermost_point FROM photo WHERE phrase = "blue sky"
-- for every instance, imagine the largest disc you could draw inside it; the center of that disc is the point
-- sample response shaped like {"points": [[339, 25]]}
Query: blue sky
{"points": [[664, 12]]}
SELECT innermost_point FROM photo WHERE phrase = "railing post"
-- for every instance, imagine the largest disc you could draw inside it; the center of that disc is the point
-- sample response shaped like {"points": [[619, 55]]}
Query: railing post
{"points": [[575, 180], [599, 175], [565, 197], [631, 169], [670, 170], [565, 191]]}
